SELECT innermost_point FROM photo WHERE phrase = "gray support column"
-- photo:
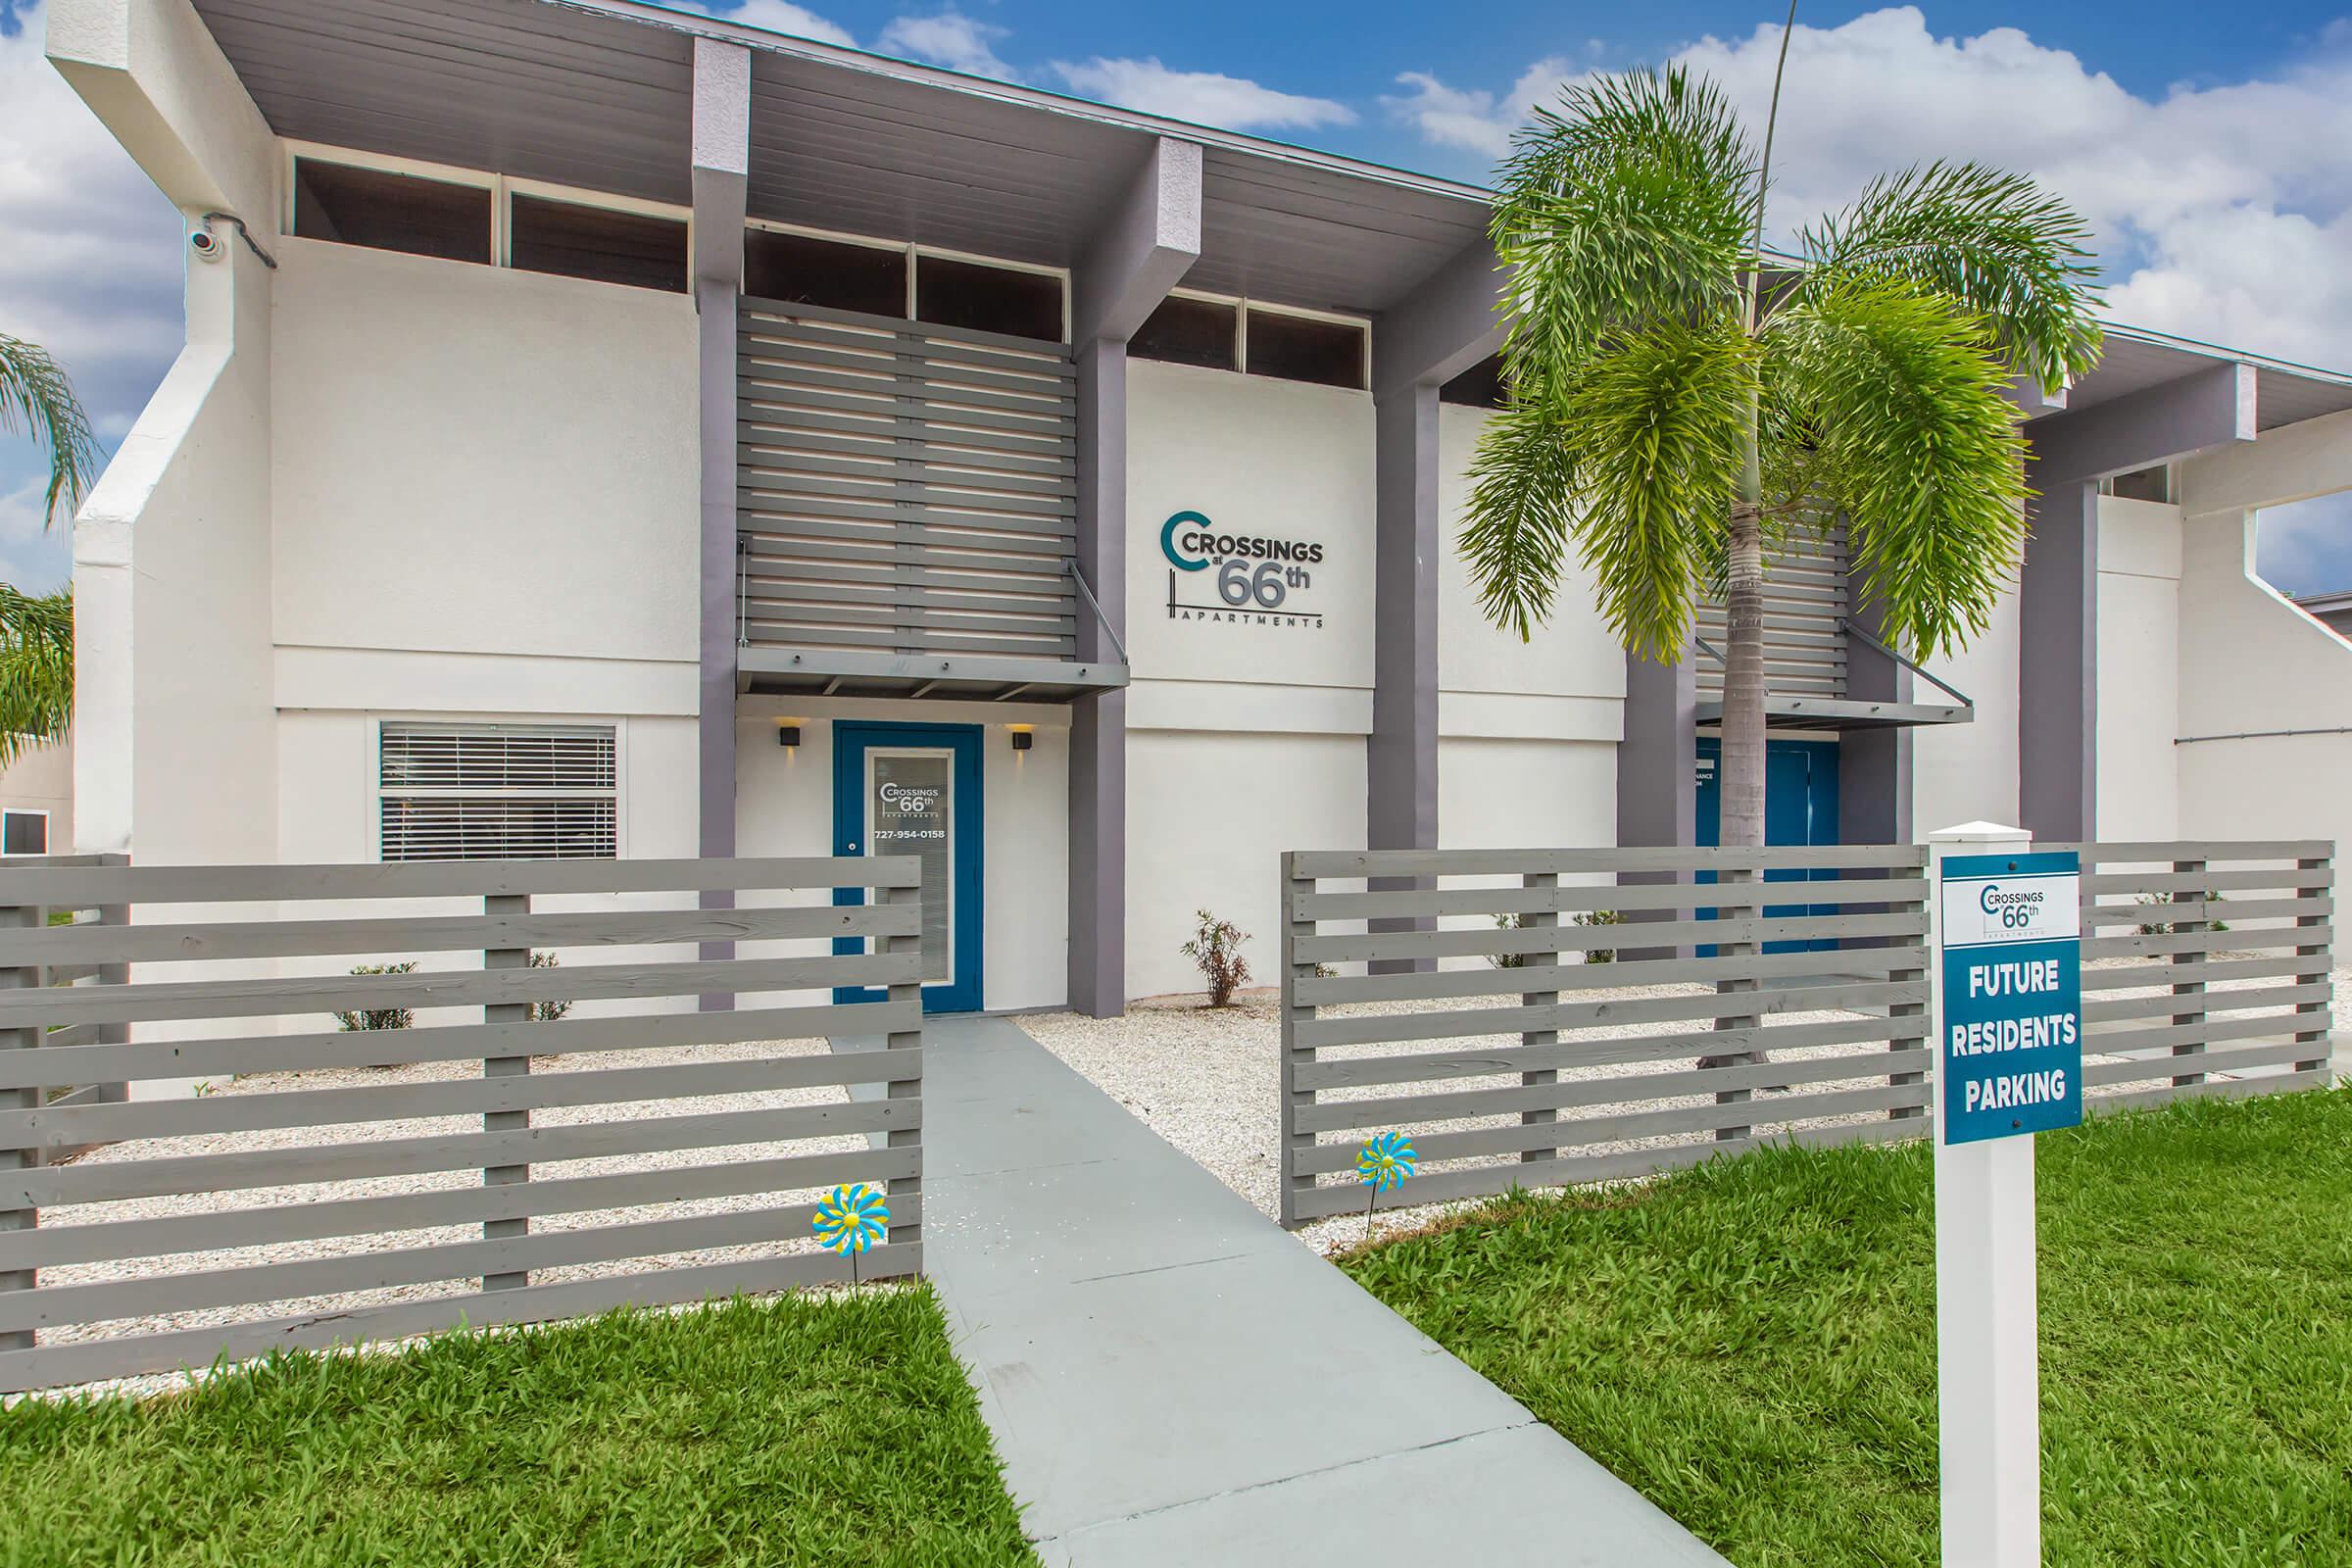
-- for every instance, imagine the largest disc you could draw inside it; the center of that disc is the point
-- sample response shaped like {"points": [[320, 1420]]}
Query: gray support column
{"points": [[722, 97], [1657, 761], [1874, 765], [2058, 662], [1443, 327], [2058, 671], [1146, 245], [1402, 760], [1657, 770], [1098, 723]]}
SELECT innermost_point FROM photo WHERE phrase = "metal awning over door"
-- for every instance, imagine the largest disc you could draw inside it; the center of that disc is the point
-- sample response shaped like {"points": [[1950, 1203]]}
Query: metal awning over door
{"points": [[907, 509], [1809, 637]]}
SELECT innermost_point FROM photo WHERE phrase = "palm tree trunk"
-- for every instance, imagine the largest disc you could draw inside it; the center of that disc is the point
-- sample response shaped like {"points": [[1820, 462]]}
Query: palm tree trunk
{"points": [[1740, 777], [1740, 781]]}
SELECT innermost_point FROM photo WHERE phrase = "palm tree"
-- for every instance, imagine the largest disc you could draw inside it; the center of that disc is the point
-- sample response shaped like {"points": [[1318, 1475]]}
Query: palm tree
{"points": [[1680, 401], [36, 631]]}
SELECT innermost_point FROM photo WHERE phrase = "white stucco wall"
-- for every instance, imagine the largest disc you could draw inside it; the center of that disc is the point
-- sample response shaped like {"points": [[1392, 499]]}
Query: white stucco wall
{"points": [[1528, 730], [784, 806], [2139, 670], [1243, 740], [480, 460], [2249, 660], [1209, 815], [1968, 772]]}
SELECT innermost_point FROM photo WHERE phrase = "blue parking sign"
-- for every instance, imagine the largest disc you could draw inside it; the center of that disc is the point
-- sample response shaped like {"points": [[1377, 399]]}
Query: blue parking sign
{"points": [[2011, 1050]]}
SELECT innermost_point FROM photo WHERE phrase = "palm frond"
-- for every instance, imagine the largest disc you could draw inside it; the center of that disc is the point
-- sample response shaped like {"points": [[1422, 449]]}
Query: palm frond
{"points": [[1631, 201], [1996, 242], [1515, 540], [1885, 401], [1658, 420], [37, 399], [37, 670]]}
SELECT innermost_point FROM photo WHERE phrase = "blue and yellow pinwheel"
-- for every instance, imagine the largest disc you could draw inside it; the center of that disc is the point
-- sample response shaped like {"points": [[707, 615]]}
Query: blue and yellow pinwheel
{"points": [[1385, 1161], [851, 1219]]}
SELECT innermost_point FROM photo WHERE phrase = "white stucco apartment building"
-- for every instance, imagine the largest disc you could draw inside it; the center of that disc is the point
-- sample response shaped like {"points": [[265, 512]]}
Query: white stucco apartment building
{"points": [[606, 430]]}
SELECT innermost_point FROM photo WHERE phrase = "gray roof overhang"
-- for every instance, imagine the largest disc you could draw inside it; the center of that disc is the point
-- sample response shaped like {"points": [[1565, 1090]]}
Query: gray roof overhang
{"points": [[598, 94]]}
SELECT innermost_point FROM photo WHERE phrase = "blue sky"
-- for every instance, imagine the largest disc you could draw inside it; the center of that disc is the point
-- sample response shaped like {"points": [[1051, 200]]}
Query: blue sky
{"points": [[2209, 146]]}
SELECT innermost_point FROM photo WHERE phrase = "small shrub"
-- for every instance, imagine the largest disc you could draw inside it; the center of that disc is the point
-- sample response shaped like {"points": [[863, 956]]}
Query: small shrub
{"points": [[1601, 917], [1518, 923], [1216, 950], [2166, 928], [1509, 961], [379, 1018], [547, 1011]]}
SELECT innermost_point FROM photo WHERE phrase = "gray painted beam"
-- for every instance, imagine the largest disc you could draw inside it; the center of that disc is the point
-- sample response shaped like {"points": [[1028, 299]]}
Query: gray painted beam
{"points": [[1446, 325], [1151, 240], [2058, 674], [721, 169], [723, 145], [2201, 412]]}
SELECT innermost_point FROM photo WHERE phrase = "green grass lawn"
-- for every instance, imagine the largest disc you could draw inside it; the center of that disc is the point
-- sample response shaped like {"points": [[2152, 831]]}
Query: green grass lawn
{"points": [[792, 1431], [1752, 1343]]}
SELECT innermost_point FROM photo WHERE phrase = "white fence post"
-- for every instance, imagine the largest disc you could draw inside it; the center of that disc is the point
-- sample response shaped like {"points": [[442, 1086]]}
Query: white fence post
{"points": [[1987, 1355]]}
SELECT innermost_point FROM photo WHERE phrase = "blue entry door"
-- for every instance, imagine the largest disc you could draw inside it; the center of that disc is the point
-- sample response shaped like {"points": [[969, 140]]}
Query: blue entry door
{"points": [[1800, 807], [915, 789]]}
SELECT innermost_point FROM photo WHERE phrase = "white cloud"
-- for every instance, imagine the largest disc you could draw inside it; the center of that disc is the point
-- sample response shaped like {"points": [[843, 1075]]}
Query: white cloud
{"points": [[1201, 97], [93, 270], [1469, 119], [2219, 207], [31, 558], [92, 273], [951, 39], [2306, 548], [779, 15]]}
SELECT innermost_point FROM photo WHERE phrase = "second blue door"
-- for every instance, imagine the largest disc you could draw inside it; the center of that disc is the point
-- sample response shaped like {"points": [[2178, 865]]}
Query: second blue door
{"points": [[1800, 807], [915, 789]]}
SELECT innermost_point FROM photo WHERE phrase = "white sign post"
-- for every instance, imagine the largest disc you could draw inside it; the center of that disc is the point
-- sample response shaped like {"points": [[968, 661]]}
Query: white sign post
{"points": [[2004, 963]]}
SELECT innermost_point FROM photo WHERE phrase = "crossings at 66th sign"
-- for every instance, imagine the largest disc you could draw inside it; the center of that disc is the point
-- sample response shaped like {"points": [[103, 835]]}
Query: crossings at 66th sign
{"points": [[2012, 1043], [1239, 579]]}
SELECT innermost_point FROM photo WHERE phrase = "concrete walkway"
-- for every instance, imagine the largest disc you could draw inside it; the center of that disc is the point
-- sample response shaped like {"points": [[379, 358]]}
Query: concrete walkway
{"points": [[1173, 1379]]}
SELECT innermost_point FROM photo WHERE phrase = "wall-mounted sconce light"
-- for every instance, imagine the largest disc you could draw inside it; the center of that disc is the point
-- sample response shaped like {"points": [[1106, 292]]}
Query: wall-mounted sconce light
{"points": [[1022, 740], [788, 735]]}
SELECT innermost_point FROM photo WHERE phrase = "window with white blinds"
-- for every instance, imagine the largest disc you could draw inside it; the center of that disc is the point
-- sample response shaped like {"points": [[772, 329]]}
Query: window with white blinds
{"points": [[499, 792]]}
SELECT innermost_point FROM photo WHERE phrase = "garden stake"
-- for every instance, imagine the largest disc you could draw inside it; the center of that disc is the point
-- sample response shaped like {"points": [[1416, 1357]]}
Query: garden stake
{"points": [[1382, 1161]]}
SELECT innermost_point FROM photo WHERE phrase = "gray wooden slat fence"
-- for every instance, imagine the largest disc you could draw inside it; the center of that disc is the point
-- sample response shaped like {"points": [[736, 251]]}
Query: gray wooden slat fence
{"points": [[903, 486], [2216, 951], [1513, 1060], [45, 964], [645, 1156]]}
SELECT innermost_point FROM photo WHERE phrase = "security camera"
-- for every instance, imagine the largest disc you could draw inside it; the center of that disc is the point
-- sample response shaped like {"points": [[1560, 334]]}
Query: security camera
{"points": [[205, 245]]}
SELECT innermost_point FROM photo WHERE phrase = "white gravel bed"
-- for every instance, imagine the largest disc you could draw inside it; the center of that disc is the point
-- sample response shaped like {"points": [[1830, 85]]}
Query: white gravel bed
{"points": [[1208, 1081], [166, 1207]]}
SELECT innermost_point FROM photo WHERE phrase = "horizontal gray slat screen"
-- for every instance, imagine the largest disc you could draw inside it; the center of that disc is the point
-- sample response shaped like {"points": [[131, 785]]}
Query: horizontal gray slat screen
{"points": [[436, 1101], [1804, 620], [904, 487], [499, 792], [1542, 1017]]}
